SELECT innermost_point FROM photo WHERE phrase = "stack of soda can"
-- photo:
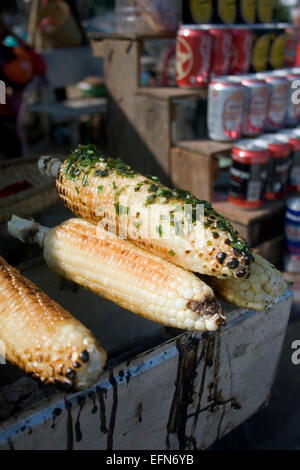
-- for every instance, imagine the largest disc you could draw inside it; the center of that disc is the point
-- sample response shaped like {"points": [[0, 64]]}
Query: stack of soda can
{"points": [[227, 11], [207, 51], [265, 168], [247, 105]]}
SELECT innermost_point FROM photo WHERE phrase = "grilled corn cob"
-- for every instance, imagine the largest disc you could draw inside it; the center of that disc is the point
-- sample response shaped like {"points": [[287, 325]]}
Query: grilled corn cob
{"points": [[42, 338], [129, 276], [168, 223], [263, 288]]}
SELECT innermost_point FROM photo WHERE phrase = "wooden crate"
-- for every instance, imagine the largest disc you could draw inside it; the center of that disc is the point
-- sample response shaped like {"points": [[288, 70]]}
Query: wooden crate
{"points": [[272, 250], [181, 394], [257, 225], [194, 166]]}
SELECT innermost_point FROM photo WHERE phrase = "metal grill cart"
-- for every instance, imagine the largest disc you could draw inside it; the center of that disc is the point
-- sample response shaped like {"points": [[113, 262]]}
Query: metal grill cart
{"points": [[164, 389]]}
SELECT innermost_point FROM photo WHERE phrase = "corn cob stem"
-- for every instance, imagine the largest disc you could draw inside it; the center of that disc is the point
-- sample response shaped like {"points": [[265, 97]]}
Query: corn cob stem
{"points": [[263, 288], [171, 224], [42, 338], [129, 276]]}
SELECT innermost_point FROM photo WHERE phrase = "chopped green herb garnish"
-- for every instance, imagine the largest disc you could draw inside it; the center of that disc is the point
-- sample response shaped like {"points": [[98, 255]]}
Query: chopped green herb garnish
{"points": [[150, 200], [159, 230], [137, 223], [101, 173], [153, 178], [100, 187], [172, 253]]}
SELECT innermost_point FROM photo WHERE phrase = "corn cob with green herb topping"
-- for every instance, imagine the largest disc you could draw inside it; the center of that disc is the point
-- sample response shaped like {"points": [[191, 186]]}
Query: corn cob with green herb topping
{"points": [[129, 276], [263, 288], [106, 190]]}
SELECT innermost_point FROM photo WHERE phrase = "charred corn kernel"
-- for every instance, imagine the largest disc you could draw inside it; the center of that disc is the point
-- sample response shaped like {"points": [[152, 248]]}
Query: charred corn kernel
{"points": [[170, 223], [263, 288], [42, 338], [127, 275]]}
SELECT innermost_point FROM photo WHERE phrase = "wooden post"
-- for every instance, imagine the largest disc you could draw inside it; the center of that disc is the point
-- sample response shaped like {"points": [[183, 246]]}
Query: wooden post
{"points": [[32, 23]]}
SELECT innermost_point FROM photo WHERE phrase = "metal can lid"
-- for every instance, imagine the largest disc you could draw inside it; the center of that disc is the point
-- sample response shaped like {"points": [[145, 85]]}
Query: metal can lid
{"points": [[279, 147], [224, 81], [290, 133], [239, 27], [283, 72], [263, 75], [293, 204], [249, 77], [251, 145], [276, 79], [199, 27], [270, 137]]}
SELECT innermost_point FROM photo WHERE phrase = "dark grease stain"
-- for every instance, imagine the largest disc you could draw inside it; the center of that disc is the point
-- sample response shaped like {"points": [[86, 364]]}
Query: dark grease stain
{"points": [[215, 397], [184, 389], [78, 433], [10, 443], [92, 396], [56, 412], [70, 438], [139, 412], [102, 392], [113, 414], [128, 376], [206, 355]]}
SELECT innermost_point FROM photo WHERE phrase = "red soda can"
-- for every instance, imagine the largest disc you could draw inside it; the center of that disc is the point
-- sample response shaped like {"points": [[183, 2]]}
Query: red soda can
{"points": [[221, 50], [279, 164], [193, 56], [241, 53], [293, 138], [248, 174]]}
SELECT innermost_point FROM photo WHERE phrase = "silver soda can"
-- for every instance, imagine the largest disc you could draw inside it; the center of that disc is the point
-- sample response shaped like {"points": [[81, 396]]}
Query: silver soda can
{"points": [[293, 108], [225, 109], [277, 102], [255, 103]]}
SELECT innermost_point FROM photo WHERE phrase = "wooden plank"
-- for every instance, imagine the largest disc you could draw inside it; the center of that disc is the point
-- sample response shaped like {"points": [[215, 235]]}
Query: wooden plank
{"points": [[194, 172], [98, 36], [170, 93], [205, 147], [257, 225], [272, 250], [98, 48], [246, 217], [184, 394], [32, 22]]}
